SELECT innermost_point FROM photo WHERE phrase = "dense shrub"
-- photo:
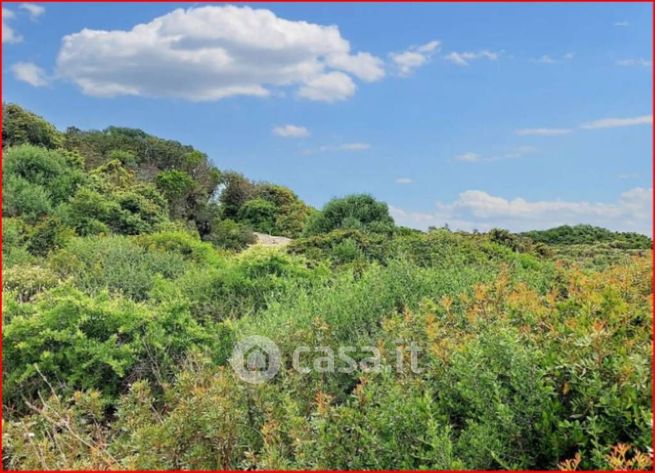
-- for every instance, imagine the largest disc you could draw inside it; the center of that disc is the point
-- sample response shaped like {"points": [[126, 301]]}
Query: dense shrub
{"points": [[20, 126], [68, 341], [116, 263], [230, 235], [359, 212]]}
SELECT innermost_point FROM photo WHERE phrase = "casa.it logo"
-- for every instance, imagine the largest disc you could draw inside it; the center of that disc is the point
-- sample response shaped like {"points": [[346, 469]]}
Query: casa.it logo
{"points": [[256, 359]]}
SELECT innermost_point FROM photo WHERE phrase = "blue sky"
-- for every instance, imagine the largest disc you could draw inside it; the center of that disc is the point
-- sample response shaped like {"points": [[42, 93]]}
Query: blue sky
{"points": [[480, 115]]}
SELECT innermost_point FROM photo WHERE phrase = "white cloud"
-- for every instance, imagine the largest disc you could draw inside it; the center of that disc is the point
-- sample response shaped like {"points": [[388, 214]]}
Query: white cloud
{"points": [[542, 131], [465, 58], [415, 56], [635, 62], [212, 52], [328, 87], [618, 122], [33, 9], [404, 180], [9, 34], [545, 59], [518, 152], [622, 24], [291, 131], [364, 66], [345, 147], [355, 147], [481, 210], [629, 175], [30, 73], [468, 157]]}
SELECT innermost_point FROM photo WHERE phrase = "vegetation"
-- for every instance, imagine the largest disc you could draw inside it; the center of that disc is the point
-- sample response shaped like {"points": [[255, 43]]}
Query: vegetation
{"points": [[587, 234], [130, 273]]}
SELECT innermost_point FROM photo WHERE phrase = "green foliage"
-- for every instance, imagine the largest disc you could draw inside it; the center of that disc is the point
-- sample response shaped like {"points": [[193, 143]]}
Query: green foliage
{"points": [[343, 246], [102, 209], [72, 341], [35, 180], [20, 198], [236, 191], [359, 212], [20, 126], [259, 214], [176, 186], [230, 235], [180, 243], [50, 234], [115, 263], [587, 234]]}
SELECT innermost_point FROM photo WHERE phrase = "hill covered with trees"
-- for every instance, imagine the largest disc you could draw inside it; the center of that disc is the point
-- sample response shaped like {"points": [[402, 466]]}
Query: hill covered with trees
{"points": [[130, 275], [589, 235]]}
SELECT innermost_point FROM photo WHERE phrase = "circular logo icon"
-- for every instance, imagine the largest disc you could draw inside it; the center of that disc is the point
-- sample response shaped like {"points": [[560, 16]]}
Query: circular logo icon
{"points": [[255, 359]]}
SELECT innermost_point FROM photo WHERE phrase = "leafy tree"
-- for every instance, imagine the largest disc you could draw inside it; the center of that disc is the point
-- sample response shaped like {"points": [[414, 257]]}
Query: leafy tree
{"points": [[20, 126], [236, 191], [260, 214], [359, 211], [177, 187], [51, 169]]}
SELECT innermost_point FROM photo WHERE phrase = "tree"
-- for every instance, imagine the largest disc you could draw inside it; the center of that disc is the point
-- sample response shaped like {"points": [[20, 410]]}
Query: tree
{"points": [[236, 191], [359, 211], [22, 127], [177, 187], [260, 214]]}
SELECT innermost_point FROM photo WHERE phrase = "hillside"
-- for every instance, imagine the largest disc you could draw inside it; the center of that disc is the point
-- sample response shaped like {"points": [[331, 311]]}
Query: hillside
{"points": [[589, 235], [127, 296]]}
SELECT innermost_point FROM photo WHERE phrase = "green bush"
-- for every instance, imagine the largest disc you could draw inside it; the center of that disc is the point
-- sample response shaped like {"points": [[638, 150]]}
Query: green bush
{"points": [[67, 340], [359, 212], [115, 263], [259, 214], [230, 235], [20, 126]]}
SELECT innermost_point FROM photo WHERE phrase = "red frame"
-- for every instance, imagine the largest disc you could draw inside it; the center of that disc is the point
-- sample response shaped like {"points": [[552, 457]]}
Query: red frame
{"points": [[652, 2]]}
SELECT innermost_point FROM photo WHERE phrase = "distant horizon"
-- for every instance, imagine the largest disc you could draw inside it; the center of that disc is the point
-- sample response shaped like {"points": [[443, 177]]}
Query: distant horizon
{"points": [[475, 116]]}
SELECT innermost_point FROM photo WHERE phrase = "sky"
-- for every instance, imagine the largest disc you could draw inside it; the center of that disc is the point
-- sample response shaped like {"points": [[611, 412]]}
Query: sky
{"points": [[522, 116]]}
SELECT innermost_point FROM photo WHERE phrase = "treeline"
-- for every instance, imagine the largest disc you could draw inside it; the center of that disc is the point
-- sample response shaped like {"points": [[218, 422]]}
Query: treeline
{"points": [[589, 235]]}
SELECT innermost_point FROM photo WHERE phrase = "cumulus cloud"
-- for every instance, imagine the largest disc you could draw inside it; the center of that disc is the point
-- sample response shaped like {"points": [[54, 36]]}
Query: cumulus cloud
{"points": [[410, 59], [30, 73], [404, 180], [291, 131], [9, 34], [328, 87], [618, 122], [639, 62], [465, 58], [33, 9], [480, 210], [212, 52], [542, 131]]}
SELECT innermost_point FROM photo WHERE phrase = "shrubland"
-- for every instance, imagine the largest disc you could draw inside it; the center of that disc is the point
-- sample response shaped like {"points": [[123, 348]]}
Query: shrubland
{"points": [[129, 274]]}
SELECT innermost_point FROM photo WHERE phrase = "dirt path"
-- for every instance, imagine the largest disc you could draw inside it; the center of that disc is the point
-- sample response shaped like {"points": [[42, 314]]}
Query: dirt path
{"points": [[269, 240]]}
